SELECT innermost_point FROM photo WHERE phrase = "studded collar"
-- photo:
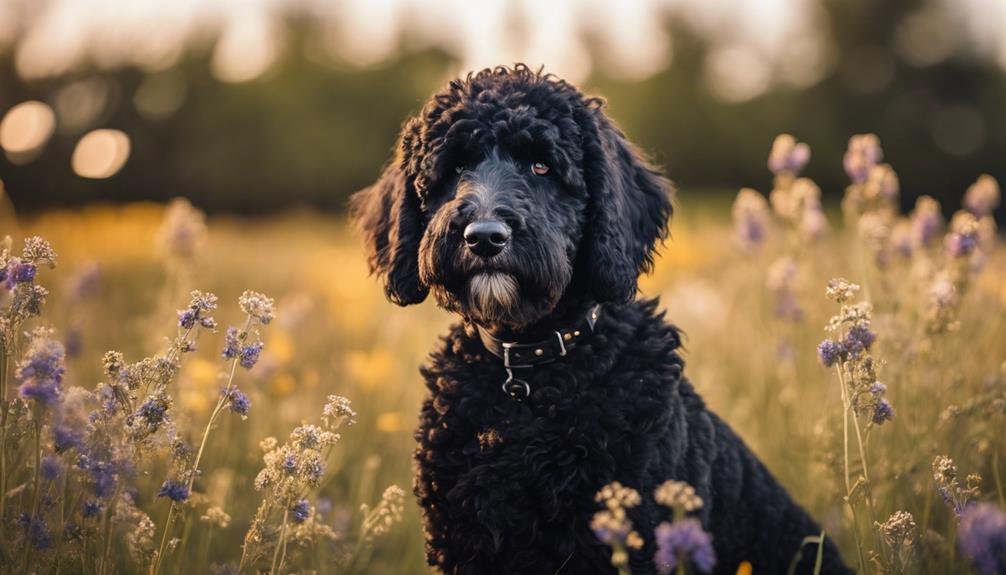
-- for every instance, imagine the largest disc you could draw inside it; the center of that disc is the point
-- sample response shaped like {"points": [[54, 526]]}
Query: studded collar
{"points": [[517, 355]]}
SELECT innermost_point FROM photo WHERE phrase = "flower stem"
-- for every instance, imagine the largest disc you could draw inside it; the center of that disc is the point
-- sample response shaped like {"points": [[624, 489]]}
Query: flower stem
{"points": [[846, 407], [34, 489], [156, 567], [281, 543], [4, 360]]}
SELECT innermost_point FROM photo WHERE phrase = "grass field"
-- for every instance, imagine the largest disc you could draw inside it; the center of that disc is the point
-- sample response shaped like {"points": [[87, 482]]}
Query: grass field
{"points": [[753, 317]]}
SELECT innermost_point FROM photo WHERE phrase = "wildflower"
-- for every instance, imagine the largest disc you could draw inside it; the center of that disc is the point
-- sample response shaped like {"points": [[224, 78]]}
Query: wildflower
{"points": [[982, 196], [238, 402], [232, 347], [788, 155], [882, 412], [216, 517], [174, 490], [91, 508], [678, 495], [50, 468], [37, 250], [197, 310], [154, 409], [21, 272], [751, 218], [65, 439], [683, 541], [41, 371], [881, 185], [85, 282], [379, 521], [301, 511], [781, 281], [899, 529], [926, 221], [841, 290], [612, 526], [182, 231], [249, 354], [338, 411], [256, 305], [982, 537], [860, 336], [949, 487], [828, 352], [38, 531], [862, 155]]}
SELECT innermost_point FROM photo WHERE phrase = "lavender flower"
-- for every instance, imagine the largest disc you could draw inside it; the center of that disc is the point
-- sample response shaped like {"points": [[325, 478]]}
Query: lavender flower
{"points": [[863, 153], [882, 412], [751, 218], [50, 468], [250, 354], [197, 311], [982, 196], [860, 336], [174, 490], [683, 541], [91, 508], [41, 371], [926, 221], [238, 402], [183, 230], [65, 439], [257, 305], [788, 155], [232, 347], [982, 537], [38, 531], [828, 352], [301, 511]]}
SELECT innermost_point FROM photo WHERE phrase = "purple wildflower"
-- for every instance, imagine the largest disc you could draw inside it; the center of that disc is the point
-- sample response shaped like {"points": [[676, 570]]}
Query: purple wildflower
{"points": [[860, 337], [232, 347], [250, 354], [882, 412], [290, 463], [960, 245], [174, 490], [103, 476], [301, 511], [828, 352], [187, 318], [50, 468], [683, 541], [982, 537], [23, 272], [863, 154], [153, 411], [314, 469], [38, 531], [92, 507], [65, 439], [878, 389], [238, 401]]}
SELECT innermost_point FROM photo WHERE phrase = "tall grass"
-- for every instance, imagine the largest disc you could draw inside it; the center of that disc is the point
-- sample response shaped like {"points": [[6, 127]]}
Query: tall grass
{"points": [[750, 294]]}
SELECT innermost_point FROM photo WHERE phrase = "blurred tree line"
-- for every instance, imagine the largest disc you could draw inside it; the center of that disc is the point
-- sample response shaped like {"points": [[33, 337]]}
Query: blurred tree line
{"points": [[308, 133]]}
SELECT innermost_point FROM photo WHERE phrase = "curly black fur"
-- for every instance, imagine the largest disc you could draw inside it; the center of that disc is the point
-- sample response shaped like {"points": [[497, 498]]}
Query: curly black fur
{"points": [[509, 487]]}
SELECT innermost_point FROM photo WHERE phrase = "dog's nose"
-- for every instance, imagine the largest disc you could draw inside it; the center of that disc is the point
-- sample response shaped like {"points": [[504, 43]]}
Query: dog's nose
{"points": [[487, 238]]}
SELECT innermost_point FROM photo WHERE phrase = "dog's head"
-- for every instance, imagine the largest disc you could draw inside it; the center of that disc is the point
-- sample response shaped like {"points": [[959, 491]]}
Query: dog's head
{"points": [[508, 192]]}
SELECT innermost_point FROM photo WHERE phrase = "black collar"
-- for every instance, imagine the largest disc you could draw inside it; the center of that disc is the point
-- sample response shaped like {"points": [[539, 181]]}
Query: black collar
{"points": [[517, 355]]}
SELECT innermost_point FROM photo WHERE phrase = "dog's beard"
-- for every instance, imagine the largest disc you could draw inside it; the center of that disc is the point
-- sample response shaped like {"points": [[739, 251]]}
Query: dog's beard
{"points": [[493, 295]]}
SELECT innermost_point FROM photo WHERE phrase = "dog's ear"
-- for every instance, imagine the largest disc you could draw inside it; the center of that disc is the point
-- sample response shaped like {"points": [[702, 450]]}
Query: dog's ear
{"points": [[628, 208], [388, 214]]}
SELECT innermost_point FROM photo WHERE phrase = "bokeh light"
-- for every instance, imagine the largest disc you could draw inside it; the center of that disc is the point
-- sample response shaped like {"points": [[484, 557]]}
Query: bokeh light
{"points": [[100, 154], [25, 129]]}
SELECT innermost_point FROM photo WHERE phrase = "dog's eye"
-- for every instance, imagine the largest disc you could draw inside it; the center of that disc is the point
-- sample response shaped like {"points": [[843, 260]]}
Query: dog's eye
{"points": [[539, 168]]}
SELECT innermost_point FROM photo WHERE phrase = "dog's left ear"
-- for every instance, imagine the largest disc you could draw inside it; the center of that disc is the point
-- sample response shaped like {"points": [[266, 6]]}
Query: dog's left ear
{"points": [[629, 205], [388, 213]]}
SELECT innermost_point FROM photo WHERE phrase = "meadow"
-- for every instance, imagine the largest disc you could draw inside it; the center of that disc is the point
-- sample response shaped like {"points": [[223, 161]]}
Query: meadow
{"points": [[891, 435]]}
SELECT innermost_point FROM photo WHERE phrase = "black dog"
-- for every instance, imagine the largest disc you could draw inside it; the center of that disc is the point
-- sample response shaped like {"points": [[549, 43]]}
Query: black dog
{"points": [[519, 204]]}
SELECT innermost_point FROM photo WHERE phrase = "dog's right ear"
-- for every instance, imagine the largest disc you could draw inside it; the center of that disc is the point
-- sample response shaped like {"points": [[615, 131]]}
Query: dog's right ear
{"points": [[388, 214]]}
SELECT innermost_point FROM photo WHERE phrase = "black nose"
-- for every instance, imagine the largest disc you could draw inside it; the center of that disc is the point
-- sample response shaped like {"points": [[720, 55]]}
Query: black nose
{"points": [[487, 238]]}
